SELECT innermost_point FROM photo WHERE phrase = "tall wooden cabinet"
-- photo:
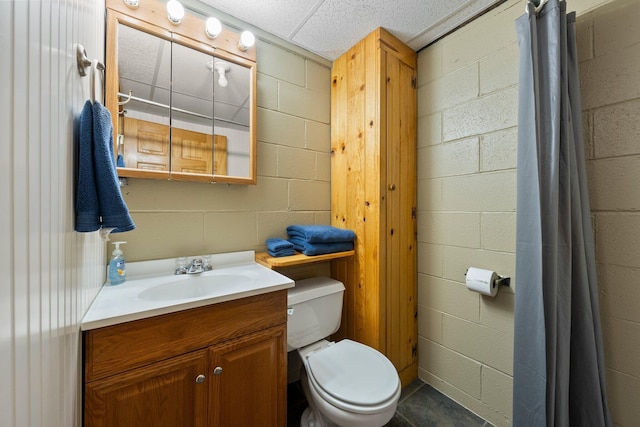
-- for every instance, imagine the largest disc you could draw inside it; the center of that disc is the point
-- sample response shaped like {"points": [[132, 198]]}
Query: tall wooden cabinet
{"points": [[373, 192]]}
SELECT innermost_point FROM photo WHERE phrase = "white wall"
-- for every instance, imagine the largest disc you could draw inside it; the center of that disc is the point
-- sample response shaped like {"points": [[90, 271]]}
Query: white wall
{"points": [[49, 273], [467, 139]]}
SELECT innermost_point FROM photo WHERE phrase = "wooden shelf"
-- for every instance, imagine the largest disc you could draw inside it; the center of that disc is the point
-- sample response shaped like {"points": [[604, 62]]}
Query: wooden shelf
{"points": [[298, 259]]}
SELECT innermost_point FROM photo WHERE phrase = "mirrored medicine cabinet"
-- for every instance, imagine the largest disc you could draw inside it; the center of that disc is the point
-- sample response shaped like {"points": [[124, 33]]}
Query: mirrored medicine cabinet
{"points": [[183, 105]]}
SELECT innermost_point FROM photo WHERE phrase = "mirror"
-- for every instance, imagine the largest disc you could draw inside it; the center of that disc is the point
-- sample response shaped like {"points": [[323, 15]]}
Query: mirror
{"points": [[183, 109]]}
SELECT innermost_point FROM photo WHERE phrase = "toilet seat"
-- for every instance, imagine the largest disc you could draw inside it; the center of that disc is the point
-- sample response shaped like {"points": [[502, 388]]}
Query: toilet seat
{"points": [[353, 377]]}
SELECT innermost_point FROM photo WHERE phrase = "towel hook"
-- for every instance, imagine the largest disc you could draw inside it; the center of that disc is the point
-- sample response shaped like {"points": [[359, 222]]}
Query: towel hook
{"points": [[83, 62], [95, 67], [82, 59]]}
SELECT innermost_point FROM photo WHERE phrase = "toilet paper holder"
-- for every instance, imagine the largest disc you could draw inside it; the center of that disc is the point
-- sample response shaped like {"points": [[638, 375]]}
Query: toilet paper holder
{"points": [[501, 280]]}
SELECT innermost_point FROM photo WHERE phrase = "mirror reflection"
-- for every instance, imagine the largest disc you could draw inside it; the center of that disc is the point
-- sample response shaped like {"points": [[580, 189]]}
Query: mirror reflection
{"points": [[184, 110], [143, 122]]}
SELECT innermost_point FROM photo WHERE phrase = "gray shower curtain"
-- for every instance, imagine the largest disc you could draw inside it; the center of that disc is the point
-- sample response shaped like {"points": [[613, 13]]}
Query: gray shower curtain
{"points": [[559, 373]]}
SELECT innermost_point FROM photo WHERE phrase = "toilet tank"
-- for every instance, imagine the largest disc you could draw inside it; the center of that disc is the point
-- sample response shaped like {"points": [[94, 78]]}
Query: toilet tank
{"points": [[315, 309]]}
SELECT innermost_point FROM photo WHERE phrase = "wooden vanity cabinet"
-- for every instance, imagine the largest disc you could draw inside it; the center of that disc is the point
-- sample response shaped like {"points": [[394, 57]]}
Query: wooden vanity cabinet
{"points": [[162, 394], [220, 365], [255, 359]]}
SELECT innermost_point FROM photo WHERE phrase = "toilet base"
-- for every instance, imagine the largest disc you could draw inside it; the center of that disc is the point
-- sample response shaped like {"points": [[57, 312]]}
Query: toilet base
{"points": [[309, 419]]}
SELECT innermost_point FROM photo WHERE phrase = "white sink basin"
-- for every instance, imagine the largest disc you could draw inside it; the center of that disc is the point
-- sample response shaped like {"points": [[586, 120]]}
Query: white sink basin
{"points": [[152, 288], [201, 285]]}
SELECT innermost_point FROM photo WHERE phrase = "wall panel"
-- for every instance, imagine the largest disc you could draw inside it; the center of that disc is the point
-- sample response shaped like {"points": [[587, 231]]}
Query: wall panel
{"points": [[50, 274]]}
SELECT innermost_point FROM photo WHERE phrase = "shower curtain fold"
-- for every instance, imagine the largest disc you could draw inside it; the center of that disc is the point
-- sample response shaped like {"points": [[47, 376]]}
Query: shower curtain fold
{"points": [[559, 377]]}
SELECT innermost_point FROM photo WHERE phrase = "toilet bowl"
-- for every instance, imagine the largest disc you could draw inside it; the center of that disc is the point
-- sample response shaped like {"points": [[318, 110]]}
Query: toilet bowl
{"points": [[346, 383]]}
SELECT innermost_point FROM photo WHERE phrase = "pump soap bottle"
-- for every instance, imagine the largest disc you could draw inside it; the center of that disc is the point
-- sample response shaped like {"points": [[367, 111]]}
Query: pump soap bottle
{"points": [[117, 272]]}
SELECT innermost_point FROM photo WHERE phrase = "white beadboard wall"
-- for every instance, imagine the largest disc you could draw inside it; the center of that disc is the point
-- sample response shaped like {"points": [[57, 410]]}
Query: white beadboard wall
{"points": [[49, 273]]}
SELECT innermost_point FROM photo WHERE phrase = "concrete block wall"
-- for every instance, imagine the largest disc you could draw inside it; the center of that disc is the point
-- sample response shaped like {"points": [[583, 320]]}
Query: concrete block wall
{"points": [[467, 138], [610, 77], [467, 142], [186, 218]]}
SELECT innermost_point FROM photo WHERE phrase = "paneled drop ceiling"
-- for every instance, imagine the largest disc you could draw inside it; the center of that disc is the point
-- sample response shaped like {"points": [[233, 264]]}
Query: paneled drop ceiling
{"points": [[330, 27]]}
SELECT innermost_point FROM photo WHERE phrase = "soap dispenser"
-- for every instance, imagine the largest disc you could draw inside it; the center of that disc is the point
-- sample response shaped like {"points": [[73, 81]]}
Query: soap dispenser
{"points": [[117, 272]]}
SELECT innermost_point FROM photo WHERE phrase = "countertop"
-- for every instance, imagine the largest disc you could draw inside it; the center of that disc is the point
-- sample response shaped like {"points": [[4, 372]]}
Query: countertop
{"points": [[122, 303]]}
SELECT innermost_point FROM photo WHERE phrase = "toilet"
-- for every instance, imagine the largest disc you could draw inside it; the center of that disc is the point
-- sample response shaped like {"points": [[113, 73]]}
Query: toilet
{"points": [[346, 383]]}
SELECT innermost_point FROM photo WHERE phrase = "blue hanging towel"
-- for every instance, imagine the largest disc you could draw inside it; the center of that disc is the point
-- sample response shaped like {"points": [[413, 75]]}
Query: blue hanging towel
{"points": [[113, 210], [87, 207], [320, 233]]}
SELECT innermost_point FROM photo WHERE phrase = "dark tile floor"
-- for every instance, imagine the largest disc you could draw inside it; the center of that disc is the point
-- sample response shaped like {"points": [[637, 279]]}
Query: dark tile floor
{"points": [[420, 405]]}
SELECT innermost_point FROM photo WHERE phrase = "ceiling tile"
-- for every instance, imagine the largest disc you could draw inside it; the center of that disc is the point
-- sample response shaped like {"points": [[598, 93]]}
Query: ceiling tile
{"points": [[330, 27], [278, 17], [339, 24]]}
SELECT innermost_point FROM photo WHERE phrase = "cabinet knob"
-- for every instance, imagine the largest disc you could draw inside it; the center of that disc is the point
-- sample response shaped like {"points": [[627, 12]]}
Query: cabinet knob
{"points": [[217, 370], [392, 187], [200, 379]]}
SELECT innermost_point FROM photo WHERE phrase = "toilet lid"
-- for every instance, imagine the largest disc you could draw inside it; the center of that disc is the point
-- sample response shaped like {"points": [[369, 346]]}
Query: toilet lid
{"points": [[354, 373]]}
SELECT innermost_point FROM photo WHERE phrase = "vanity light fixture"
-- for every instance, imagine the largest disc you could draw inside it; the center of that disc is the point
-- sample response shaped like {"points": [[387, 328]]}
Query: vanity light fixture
{"points": [[247, 39], [175, 11], [132, 4], [212, 28]]}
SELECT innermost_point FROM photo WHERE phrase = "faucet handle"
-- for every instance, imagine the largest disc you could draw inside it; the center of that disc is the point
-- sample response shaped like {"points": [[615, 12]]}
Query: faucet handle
{"points": [[206, 263], [181, 265]]}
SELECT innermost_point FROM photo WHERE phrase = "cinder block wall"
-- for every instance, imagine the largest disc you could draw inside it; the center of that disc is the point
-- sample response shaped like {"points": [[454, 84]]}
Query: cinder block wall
{"points": [[467, 141], [185, 218], [610, 78]]}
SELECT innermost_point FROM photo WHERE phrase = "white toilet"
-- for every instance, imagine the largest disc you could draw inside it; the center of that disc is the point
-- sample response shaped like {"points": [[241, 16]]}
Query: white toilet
{"points": [[346, 383]]}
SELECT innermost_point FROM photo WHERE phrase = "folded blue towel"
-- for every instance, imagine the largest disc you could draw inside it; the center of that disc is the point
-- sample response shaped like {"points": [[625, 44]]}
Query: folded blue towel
{"points": [[321, 233], [308, 248], [280, 247], [113, 210], [87, 207]]}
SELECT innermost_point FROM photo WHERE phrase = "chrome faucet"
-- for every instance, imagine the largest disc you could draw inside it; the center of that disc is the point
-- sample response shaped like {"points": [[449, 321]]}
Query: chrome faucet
{"points": [[196, 266]]}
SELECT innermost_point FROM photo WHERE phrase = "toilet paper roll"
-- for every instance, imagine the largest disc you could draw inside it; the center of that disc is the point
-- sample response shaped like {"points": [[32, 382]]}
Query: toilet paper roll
{"points": [[482, 281]]}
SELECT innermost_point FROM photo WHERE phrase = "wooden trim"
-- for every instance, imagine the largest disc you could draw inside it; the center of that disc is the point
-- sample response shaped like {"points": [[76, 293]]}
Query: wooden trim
{"points": [[140, 173], [409, 373], [397, 48], [298, 259], [151, 18], [192, 26]]}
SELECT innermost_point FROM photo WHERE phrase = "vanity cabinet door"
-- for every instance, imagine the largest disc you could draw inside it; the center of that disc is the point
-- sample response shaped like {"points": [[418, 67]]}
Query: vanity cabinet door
{"points": [[249, 380], [171, 393]]}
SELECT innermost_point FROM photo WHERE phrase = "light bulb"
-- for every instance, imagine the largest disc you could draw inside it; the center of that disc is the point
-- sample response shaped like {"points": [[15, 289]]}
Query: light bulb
{"points": [[175, 11], [132, 4], [213, 28], [247, 39]]}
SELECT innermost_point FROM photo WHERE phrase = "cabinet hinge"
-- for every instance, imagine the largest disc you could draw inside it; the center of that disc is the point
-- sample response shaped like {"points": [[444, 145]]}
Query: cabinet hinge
{"points": [[414, 350], [414, 82], [413, 213]]}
